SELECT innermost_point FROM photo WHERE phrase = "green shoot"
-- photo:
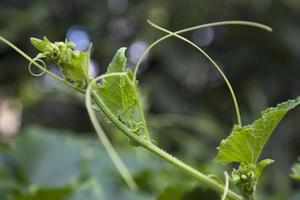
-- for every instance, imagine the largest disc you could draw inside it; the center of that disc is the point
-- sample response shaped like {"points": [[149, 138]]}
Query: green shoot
{"points": [[74, 64], [42, 68]]}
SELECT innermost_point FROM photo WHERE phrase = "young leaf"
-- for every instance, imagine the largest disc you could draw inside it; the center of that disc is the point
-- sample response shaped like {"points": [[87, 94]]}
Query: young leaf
{"points": [[117, 92], [296, 171], [245, 144], [73, 64]]}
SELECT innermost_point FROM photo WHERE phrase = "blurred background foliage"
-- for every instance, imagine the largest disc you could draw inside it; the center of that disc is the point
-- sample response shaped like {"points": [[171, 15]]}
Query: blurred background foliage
{"points": [[48, 148]]}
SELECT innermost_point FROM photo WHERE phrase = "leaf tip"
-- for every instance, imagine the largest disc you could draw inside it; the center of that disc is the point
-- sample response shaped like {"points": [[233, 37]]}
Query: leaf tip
{"points": [[122, 50]]}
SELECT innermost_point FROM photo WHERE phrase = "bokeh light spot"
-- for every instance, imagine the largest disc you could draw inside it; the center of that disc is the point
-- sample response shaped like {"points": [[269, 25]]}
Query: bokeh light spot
{"points": [[203, 37], [93, 68], [79, 36], [136, 49]]}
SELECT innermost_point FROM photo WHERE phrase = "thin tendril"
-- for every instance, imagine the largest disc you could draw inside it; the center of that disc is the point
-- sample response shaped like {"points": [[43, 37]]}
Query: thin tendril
{"points": [[226, 188], [121, 167], [236, 106], [37, 59], [222, 23]]}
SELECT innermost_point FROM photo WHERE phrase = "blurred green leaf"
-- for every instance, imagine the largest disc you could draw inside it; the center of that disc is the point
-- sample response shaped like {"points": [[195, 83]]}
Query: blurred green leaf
{"points": [[44, 161], [47, 159], [186, 191], [296, 171], [90, 190], [46, 194], [174, 192]]}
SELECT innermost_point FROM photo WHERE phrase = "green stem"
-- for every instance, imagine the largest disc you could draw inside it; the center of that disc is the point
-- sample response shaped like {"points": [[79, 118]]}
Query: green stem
{"points": [[141, 112], [162, 154], [109, 148], [153, 148]]}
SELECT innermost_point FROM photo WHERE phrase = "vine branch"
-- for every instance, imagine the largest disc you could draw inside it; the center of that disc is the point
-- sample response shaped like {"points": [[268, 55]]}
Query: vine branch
{"points": [[92, 95]]}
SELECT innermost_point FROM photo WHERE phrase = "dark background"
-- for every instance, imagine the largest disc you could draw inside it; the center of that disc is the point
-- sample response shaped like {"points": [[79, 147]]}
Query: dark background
{"points": [[187, 103]]}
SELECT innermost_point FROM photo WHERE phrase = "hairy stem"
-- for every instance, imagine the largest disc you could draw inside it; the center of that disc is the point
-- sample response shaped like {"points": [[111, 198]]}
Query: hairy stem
{"points": [[162, 154], [141, 112], [153, 148], [110, 149]]}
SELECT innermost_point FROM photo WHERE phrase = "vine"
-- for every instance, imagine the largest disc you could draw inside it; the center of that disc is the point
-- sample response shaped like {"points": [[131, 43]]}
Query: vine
{"points": [[115, 94]]}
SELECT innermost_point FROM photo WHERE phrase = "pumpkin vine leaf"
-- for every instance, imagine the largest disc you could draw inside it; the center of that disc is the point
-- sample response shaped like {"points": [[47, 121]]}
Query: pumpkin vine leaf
{"points": [[118, 92], [245, 144]]}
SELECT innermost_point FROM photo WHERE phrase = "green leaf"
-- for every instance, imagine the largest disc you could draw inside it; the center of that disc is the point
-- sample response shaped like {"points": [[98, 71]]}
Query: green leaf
{"points": [[186, 191], [89, 190], [296, 171], [76, 70], [174, 192], [45, 194], [117, 92], [74, 64], [41, 45], [48, 159], [245, 144]]}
